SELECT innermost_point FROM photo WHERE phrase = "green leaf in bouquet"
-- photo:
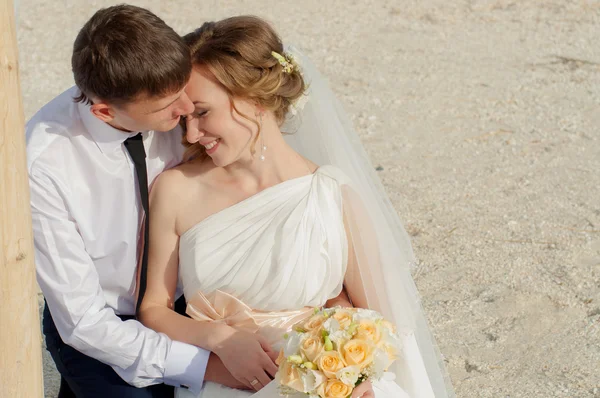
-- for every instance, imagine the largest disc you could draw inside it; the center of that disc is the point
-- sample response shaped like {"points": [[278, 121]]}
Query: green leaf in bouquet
{"points": [[352, 328], [297, 359], [361, 378], [310, 365], [328, 344]]}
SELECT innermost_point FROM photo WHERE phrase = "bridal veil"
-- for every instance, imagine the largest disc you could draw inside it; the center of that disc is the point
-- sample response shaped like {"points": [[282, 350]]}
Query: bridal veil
{"points": [[381, 253]]}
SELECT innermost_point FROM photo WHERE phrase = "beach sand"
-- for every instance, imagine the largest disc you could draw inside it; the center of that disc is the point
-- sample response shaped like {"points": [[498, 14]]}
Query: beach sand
{"points": [[482, 117]]}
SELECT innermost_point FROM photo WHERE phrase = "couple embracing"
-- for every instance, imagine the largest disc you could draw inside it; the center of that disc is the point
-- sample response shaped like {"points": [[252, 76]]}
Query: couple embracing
{"points": [[195, 197]]}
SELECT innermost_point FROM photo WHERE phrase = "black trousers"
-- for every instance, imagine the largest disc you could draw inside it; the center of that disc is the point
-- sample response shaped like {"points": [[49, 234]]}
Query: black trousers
{"points": [[86, 377]]}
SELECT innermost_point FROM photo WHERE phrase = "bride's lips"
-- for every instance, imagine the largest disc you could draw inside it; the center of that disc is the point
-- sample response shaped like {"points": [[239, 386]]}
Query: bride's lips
{"points": [[212, 146]]}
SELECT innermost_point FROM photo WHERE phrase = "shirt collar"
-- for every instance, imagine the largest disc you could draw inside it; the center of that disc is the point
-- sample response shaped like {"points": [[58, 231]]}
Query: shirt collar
{"points": [[107, 138]]}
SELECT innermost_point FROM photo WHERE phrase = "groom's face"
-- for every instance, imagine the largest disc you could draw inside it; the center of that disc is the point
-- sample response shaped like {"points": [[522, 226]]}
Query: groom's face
{"points": [[158, 113]]}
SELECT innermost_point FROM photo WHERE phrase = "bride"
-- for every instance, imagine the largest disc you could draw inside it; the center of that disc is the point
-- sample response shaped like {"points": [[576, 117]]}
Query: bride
{"points": [[259, 227]]}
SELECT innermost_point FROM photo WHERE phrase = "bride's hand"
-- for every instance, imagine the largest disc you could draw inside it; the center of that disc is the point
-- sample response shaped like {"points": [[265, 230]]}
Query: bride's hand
{"points": [[249, 358], [364, 390]]}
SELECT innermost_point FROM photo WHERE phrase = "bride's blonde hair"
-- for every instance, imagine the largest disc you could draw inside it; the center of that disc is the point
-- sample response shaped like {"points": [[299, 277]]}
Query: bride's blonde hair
{"points": [[238, 52]]}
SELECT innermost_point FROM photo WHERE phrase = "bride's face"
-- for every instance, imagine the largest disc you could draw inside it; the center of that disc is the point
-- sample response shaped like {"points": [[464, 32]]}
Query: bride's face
{"points": [[226, 135]]}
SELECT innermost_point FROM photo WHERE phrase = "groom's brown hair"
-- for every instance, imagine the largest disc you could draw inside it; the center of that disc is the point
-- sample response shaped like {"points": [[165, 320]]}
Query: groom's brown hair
{"points": [[125, 51]]}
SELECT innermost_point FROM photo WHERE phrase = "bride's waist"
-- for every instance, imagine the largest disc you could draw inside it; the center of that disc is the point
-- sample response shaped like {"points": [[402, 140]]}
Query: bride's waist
{"points": [[225, 308]]}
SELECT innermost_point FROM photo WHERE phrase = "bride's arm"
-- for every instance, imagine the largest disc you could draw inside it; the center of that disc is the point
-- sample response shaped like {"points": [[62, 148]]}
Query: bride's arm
{"points": [[156, 309], [354, 291], [342, 300], [352, 294]]}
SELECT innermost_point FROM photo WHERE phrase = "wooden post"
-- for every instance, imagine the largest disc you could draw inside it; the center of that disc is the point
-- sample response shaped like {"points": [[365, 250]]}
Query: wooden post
{"points": [[20, 340]]}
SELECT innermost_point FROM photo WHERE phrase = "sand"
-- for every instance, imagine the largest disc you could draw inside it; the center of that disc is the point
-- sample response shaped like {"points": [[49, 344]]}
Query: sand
{"points": [[482, 117]]}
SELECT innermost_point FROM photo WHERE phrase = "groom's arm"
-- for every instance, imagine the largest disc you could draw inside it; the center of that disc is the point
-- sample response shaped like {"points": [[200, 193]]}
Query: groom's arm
{"points": [[70, 283]]}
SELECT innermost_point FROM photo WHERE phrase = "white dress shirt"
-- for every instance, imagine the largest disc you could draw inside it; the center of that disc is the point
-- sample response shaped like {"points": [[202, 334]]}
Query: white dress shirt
{"points": [[86, 214]]}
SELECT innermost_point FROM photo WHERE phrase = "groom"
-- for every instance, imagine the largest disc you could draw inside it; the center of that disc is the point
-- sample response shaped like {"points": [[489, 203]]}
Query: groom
{"points": [[87, 150]]}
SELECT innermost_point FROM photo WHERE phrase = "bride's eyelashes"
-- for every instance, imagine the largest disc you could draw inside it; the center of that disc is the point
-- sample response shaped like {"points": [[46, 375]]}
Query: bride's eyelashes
{"points": [[200, 114]]}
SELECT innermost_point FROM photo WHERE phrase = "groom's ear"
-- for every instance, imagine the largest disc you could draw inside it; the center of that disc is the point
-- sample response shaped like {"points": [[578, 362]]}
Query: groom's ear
{"points": [[103, 111]]}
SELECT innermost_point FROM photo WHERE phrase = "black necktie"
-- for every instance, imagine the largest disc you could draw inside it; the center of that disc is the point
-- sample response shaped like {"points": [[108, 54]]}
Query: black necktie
{"points": [[135, 147]]}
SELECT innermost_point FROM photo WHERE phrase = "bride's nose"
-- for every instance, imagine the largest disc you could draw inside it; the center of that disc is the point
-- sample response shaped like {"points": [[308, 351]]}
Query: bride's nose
{"points": [[193, 133]]}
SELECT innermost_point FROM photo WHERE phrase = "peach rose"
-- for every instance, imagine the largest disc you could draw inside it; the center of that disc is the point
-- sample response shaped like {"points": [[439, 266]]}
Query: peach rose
{"points": [[368, 330], [290, 376], [312, 346], [314, 322], [329, 362], [357, 352], [334, 389], [344, 318]]}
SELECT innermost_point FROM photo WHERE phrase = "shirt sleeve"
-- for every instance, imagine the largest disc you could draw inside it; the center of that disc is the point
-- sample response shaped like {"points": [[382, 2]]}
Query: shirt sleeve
{"points": [[71, 286]]}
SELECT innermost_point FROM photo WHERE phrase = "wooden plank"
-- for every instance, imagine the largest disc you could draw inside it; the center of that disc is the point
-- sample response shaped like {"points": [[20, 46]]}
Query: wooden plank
{"points": [[20, 340]]}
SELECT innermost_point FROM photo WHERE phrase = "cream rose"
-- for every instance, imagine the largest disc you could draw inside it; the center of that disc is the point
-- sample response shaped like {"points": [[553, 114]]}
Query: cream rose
{"points": [[290, 376], [343, 317], [388, 325], [368, 330], [334, 389], [314, 322], [390, 350], [357, 352], [329, 362], [312, 346]]}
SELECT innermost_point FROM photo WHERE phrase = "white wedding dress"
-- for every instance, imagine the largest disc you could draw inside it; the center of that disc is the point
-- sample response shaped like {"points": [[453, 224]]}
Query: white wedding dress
{"points": [[266, 262]]}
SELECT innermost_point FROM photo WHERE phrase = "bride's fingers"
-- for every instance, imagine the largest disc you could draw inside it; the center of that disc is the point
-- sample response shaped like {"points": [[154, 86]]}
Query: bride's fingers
{"points": [[268, 363], [254, 387], [364, 390], [261, 380], [246, 384], [264, 378], [272, 355], [266, 346], [271, 368]]}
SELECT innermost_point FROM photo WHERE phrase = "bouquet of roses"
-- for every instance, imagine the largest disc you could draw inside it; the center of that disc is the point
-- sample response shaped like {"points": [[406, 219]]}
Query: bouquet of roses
{"points": [[336, 349]]}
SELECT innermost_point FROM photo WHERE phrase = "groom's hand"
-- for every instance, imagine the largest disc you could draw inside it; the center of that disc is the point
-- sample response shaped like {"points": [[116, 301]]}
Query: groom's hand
{"points": [[218, 373]]}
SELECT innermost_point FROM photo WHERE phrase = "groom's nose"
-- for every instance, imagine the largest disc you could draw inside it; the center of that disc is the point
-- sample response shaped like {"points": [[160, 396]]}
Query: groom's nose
{"points": [[184, 106]]}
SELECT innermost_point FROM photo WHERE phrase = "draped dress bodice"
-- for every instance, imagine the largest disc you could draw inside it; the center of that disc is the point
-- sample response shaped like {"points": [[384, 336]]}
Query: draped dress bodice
{"points": [[272, 255], [264, 263]]}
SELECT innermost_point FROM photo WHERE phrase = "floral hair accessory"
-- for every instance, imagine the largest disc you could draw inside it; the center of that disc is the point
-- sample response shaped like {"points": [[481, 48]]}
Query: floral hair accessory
{"points": [[286, 61]]}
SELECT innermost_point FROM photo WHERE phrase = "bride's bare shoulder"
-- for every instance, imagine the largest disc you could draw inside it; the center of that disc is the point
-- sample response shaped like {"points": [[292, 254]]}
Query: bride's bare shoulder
{"points": [[191, 169], [184, 182], [312, 166], [176, 193]]}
